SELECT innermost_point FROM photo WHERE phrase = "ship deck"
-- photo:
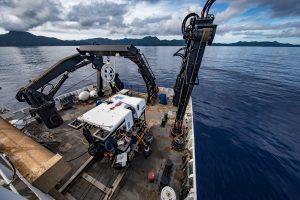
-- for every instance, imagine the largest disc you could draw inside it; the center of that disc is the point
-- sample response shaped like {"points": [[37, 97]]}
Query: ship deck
{"points": [[99, 180]]}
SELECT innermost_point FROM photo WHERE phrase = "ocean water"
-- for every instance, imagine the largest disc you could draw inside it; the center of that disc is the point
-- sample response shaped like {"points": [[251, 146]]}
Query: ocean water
{"points": [[246, 111]]}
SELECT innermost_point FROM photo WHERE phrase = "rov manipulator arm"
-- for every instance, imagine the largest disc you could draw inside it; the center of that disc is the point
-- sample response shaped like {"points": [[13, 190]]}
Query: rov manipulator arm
{"points": [[44, 105], [199, 33]]}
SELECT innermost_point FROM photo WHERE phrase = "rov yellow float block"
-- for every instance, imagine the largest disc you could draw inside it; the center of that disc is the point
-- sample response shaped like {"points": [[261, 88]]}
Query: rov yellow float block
{"points": [[38, 165]]}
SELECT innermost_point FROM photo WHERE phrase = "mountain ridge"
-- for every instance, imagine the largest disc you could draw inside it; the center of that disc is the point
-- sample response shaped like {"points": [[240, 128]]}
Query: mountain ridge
{"points": [[18, 38]]}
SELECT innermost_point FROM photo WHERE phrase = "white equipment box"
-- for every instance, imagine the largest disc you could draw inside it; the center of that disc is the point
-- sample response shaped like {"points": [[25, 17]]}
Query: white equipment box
{"points": [[108, 117]]}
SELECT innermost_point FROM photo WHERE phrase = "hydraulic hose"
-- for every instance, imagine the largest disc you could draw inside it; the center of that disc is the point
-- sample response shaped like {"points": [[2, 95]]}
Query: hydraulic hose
{"points": [[185, 20]]}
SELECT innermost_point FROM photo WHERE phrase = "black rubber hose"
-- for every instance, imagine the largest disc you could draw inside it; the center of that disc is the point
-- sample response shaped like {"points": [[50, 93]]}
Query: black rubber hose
{"points": [[185, 19], [204, 8], [208, 7], [44, 86]]}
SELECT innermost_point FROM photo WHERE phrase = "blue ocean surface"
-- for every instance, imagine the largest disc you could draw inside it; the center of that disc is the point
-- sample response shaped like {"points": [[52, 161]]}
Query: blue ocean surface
{"points": [[246, 111]]}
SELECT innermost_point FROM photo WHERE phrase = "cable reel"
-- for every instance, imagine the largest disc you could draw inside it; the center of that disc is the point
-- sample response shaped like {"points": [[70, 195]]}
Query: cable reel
{"points": [[108, 72]]}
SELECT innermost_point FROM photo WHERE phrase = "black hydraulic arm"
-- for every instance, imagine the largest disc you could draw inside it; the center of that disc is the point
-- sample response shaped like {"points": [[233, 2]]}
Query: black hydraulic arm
{"points": [[42, 103], [68, 64], [197, 35], [35, 98]]}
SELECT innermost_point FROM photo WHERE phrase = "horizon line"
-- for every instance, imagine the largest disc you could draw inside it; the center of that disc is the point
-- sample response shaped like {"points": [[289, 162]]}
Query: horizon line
{"points": [[142, 37]]}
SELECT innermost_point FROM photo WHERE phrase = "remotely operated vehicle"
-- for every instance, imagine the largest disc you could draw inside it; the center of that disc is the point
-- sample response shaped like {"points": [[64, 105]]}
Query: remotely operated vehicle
{"points": [[117, 128]]}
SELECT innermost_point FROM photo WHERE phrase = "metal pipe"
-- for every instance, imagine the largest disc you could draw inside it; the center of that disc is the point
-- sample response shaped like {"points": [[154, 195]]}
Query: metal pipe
{"points": [[7, 180]]}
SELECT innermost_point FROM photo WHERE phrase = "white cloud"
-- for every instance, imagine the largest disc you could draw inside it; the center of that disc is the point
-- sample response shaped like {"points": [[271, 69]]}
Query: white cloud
{"points": [[23, 15], [80, 19]]}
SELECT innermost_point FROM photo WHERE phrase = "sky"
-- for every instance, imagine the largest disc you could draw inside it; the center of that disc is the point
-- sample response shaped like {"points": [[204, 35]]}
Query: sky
{"points": [[237, 20]]}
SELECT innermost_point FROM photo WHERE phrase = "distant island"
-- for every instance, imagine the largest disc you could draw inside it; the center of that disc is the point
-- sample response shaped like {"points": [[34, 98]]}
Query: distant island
{"points": [[18, 38]]}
